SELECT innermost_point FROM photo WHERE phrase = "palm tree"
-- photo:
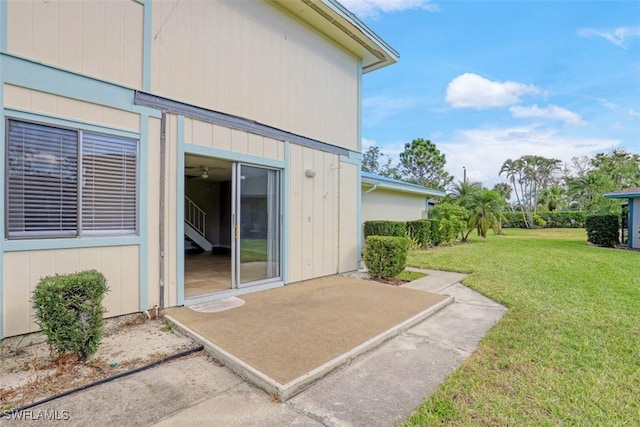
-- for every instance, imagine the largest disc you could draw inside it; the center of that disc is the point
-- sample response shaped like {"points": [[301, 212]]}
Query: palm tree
{"points": [[504, 189], [551, 198], [486, 210], [460, 192]]}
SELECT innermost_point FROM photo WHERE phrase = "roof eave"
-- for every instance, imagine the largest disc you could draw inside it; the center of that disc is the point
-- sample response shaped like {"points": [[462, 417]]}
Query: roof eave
{"points": [[621, 195], [401, 188], [336, 22]]}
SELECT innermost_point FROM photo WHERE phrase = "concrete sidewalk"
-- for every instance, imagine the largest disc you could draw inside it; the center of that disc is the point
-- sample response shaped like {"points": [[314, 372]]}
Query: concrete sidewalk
{"points": [[381, 388]]}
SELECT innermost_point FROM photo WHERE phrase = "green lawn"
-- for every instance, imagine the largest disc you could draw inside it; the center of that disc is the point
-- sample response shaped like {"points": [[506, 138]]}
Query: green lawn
{"points": [[568, 350]]}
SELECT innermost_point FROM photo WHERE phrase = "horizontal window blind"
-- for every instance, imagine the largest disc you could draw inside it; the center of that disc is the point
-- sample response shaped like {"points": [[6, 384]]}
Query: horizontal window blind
{"points": [[109, 184], [42, 167], [44, 195]]}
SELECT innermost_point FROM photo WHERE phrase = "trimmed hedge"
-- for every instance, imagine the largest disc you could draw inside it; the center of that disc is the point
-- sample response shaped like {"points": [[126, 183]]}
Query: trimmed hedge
{"points": [[547, 219], [603, 230], [69, 311], [386, 256], [563, 219], [421, 232], [385, 228]]}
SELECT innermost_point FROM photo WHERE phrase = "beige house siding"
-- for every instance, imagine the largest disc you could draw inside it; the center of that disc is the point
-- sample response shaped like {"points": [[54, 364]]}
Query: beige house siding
{"points": [[251, 60], [391, 205], [88, 64], [34, 101], [314, 219], [348, 217], [102, 39], [24, 269]]}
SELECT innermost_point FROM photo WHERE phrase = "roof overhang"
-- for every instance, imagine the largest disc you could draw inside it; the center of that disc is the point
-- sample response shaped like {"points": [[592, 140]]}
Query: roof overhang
{"points": [[629, 193], [336, 22], [400, 187], [622, 195]]}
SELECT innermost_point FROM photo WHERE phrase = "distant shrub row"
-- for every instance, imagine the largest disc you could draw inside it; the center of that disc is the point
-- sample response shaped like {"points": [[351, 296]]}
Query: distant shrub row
{"points": [[547, 219], [422, 233]]}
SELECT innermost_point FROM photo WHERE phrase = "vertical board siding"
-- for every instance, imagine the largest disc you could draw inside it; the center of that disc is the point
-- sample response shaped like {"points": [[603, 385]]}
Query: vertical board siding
{"points": [[251, 60], [66, 108], [23, 270], [313, 215], [349, 226], [102, 39]]}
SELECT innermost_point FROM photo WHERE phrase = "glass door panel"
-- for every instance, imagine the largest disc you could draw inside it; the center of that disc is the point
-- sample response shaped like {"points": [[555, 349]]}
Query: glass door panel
{"points": [[257, 225]]}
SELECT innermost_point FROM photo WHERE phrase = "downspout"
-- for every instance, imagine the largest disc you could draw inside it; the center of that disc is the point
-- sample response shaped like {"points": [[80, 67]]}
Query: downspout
{"points": [[372, 188], [163, 143]]}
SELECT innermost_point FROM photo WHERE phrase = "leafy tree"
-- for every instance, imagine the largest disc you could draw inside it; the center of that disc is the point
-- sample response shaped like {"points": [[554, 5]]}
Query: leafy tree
{"points": [[504, 189], [422, 163], [372, 161], [530, 174], [457, 215]]}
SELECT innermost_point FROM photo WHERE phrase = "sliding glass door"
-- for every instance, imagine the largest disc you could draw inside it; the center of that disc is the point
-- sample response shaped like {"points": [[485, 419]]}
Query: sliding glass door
{"points": [[257, 225]]}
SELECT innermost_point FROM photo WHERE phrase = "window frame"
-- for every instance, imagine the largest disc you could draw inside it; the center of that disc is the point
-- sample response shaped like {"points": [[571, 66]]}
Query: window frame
{"points": [[78, 231]]}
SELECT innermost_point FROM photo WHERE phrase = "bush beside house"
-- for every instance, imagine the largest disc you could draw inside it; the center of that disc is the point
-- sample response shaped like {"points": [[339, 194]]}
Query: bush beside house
{"points": [[603, 230], [386, 256], [69, 310]]}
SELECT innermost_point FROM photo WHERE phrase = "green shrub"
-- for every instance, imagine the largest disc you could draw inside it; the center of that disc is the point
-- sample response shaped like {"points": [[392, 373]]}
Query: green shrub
{"points": [[513, 220], [386, 256], [603, 230], [69, 311], [563, 219], [420, 232], [385, 228]]}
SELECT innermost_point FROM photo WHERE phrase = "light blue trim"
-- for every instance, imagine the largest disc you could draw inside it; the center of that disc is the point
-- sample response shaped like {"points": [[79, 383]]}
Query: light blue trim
{"points": [[25, 73], [359, 227], [360, 106], [146, 47], [143, 227], [621, 195], [232, 156], [180, 211], [36, 117], [286, 214], [351, 161], [632, 230], [72, 243], [3, 48], [3, 26]]}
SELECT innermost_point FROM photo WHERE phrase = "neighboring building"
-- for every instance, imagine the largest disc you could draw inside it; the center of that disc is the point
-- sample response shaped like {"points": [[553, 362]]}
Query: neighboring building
{"points": [[132, 126], [394, 200], [633, 196]]}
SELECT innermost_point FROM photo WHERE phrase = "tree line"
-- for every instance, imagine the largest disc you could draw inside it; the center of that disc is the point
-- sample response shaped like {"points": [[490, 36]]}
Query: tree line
{"points": [[537, 183]]}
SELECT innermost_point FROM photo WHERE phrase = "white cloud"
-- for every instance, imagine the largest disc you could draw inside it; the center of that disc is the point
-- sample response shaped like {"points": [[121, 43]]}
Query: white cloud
{"points": [[633, 113], [550, 112], [482, 151], [617, 36], [616, 126], [373, 8], [378, 108], [474, 91]]}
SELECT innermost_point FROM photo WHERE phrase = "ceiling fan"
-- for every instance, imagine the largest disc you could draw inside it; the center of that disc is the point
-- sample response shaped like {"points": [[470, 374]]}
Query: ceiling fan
{"points": [[203, 172]]}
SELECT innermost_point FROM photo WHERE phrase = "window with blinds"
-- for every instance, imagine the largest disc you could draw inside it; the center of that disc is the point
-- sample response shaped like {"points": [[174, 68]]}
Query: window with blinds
{"points": [[45, 198]]}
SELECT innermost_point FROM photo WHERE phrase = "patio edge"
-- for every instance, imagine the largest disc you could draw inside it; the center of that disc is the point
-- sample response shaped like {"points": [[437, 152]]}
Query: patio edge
{"points": [[297, 385]]}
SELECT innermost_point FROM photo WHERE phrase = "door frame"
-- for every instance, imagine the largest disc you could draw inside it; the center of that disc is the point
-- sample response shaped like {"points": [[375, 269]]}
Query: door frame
{"points": [[236, 215]]}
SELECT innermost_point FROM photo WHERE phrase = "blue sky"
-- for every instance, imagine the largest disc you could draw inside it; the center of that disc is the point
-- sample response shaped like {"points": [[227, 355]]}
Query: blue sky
{"points": [[491, 80]]}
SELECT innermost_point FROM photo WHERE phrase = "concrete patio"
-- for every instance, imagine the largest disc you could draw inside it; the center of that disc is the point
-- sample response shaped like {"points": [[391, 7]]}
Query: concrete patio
{"points": [[379, 388], [282, 340]]}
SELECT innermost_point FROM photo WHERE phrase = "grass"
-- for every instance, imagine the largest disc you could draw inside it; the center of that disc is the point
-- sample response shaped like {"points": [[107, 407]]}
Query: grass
{"points": [[409, 275], [568, 350]]}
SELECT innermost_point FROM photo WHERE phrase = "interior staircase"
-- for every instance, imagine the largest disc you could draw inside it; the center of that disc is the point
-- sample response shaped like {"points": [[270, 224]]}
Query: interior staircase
{"points": [[195, 220]]}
